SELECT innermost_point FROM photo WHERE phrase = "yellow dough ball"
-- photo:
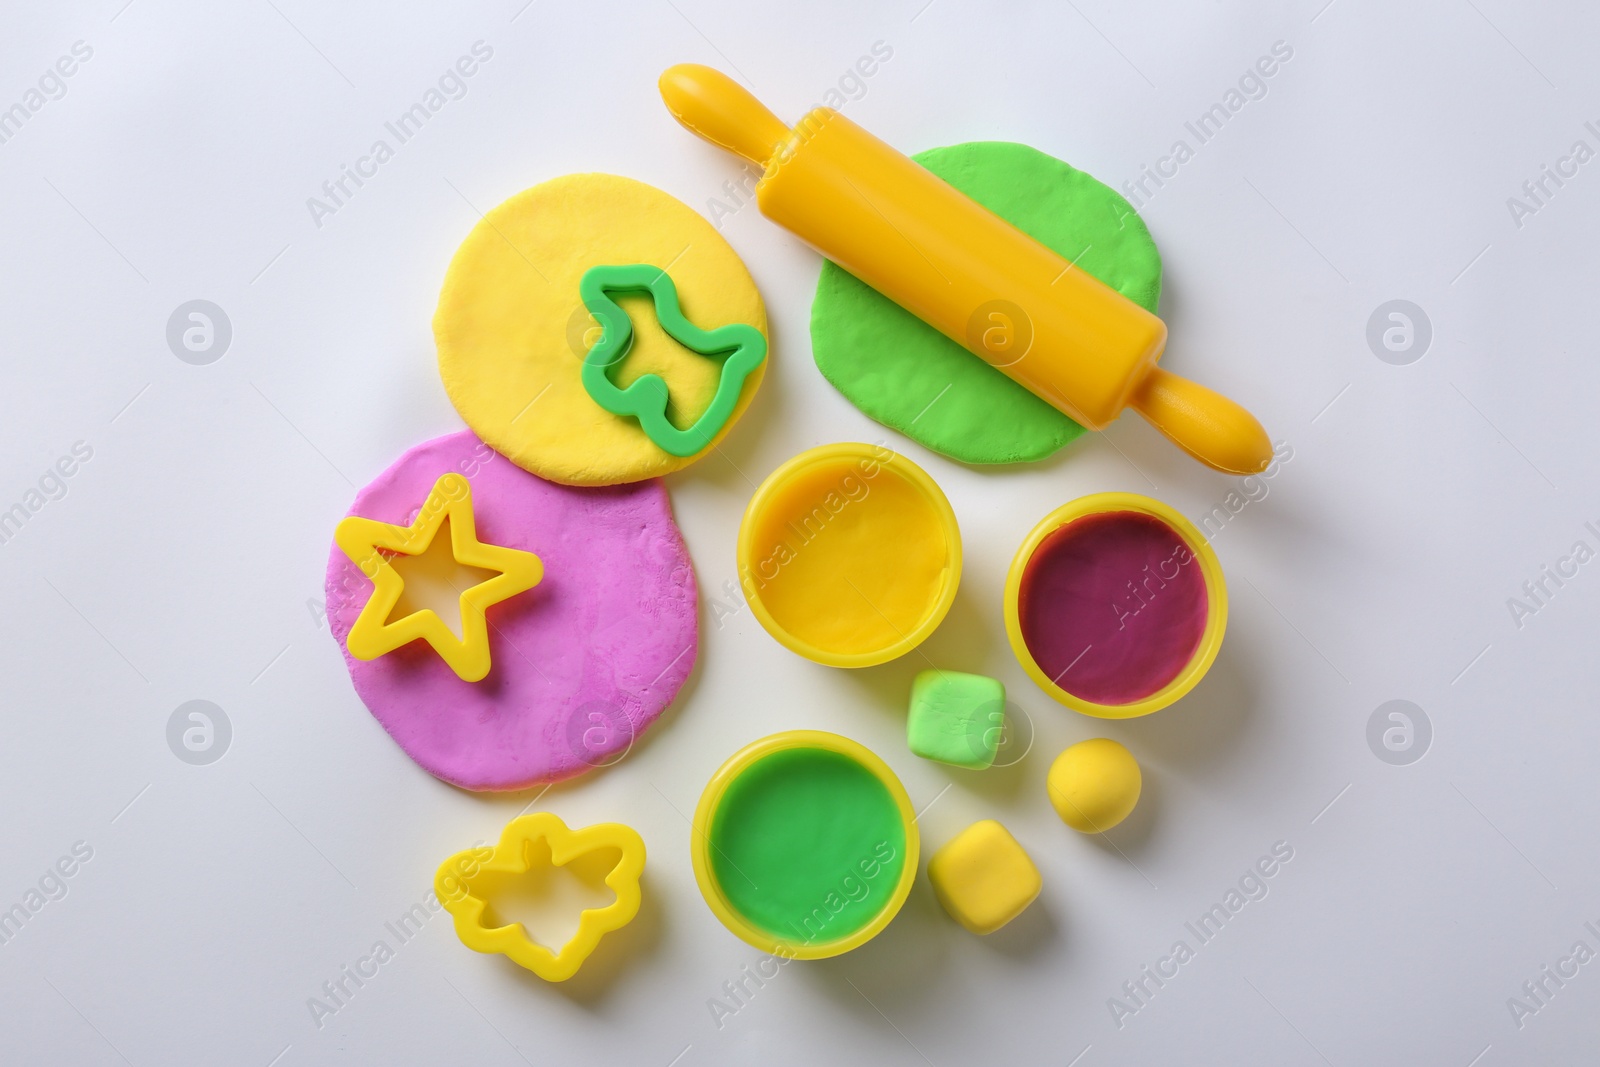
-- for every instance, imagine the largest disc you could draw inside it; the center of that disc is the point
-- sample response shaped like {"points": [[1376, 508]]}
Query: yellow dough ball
{"points": [[1094, 785]]}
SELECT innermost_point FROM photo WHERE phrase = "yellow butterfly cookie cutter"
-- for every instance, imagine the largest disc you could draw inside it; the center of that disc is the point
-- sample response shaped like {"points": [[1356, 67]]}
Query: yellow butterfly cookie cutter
{"points": [[366, 540], [456, 882]]}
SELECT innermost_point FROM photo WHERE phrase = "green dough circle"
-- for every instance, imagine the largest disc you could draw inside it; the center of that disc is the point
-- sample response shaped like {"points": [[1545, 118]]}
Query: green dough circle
{"points": [[802, 827], [905, 374]]}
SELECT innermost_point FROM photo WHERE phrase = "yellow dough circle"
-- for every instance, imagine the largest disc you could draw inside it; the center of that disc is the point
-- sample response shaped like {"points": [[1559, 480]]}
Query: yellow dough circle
{"points": [[512, 331]]}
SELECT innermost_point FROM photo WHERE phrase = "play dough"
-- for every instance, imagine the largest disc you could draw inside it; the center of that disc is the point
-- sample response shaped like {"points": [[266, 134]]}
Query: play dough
{"points": [[804, 844], [849, 554], [1112, 606], [1094, 785], [512, 330], [789, 835], [908, 376], [956, 718], [983, 878], [1115, 605], [582, 663]]}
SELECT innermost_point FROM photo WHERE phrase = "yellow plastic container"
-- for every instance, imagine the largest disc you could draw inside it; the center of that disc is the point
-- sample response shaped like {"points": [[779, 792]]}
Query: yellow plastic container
{"points": [[1076, 343], [849, 555], [1216, 597], [823, 904]]}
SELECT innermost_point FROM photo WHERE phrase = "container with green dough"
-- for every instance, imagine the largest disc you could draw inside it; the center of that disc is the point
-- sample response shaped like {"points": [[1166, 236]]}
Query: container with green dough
{"points": [[805, 844]]}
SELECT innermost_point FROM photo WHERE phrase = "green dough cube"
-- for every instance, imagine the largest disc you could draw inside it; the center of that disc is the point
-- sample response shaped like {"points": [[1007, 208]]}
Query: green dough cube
{"points": [[956, 718]]}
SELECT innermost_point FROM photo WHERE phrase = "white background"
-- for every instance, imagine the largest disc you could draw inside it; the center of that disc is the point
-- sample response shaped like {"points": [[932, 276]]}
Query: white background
{"points": [[186, 559]]}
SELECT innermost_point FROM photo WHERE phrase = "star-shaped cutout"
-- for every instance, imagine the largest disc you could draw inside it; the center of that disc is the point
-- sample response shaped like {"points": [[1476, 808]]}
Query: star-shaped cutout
{"points": [[646, 397], [366, 541], [456, 885]]}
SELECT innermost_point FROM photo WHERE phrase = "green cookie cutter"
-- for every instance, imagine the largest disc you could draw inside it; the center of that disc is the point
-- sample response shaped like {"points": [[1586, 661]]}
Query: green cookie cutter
{"points": [[645, 398]]}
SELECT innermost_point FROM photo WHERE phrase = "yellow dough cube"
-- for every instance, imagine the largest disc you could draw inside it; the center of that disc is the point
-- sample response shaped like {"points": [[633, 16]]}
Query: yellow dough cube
{"points": [[983, 877]]}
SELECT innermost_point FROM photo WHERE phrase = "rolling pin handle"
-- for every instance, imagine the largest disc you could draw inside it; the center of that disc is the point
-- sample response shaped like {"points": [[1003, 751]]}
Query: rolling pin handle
{"points": [[1205, 424], [714, 107]]}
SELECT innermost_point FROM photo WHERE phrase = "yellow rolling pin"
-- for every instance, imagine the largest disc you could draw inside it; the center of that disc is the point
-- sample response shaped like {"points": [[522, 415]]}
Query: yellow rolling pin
{"points": [[1076, 343]]}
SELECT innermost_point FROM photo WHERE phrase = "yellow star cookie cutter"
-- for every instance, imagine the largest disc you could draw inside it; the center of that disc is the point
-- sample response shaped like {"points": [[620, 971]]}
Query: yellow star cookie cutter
{"points": [[455, 884], [366, 540]]}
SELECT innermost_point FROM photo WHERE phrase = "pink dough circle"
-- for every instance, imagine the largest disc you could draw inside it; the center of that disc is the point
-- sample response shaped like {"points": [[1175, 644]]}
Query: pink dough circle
{"points": [[581, 663]]}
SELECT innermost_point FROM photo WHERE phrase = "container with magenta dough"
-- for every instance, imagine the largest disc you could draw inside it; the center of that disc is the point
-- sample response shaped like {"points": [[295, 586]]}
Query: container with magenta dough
{"points": [[1116, 605], [804, 844]]}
